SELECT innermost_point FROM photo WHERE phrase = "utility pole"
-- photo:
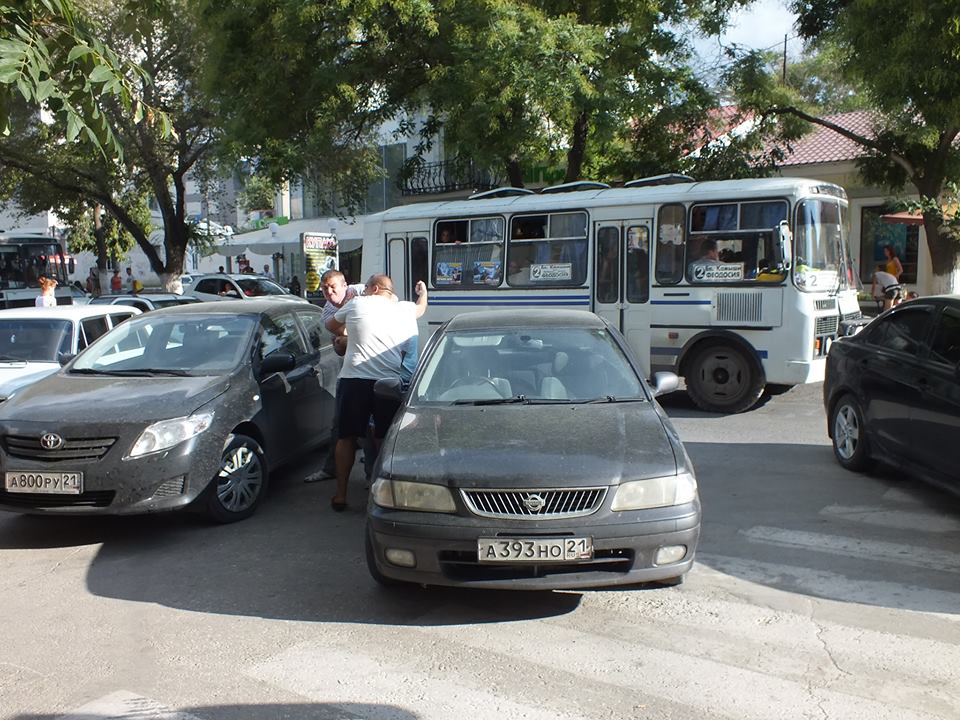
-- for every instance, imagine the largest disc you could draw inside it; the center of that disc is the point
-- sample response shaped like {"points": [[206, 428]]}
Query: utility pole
{"points": [[784, 58]]}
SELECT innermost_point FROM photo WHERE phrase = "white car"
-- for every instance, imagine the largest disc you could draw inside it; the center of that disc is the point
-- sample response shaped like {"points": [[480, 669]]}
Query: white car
{"points": [[32, 340], [238, 286]]}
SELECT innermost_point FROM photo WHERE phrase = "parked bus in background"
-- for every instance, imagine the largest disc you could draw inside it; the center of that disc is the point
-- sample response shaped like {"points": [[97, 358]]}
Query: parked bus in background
{"points": [[23, 259], [734, 285]]}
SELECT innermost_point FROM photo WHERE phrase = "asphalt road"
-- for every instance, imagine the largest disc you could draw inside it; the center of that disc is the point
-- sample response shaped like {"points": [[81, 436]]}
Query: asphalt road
{"points": [[817, 594]]}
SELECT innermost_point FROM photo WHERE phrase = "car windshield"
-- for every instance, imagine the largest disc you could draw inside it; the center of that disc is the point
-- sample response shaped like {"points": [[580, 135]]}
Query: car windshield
{"points": [[528, 365], [257, 287], [172, 344], [34, 340]]}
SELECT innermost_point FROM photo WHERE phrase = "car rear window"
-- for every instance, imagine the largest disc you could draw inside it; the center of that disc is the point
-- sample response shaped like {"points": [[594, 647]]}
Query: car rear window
{"points": [[903, 331], [946, 340]]}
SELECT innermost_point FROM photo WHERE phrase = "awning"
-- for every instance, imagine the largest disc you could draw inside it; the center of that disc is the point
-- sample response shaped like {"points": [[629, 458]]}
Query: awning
{"points": [[904, 218], [286, 238]]}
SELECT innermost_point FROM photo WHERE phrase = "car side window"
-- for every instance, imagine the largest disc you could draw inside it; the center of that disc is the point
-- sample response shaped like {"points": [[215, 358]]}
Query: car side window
{"points": [[317, 334], [117, 318], [92, 328], [210, 286], [903, 331], [280, 333], [946, 339]]}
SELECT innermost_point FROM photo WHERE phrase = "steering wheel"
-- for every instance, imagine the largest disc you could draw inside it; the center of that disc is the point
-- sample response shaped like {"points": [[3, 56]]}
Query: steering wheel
{"points": [[473, 380]]}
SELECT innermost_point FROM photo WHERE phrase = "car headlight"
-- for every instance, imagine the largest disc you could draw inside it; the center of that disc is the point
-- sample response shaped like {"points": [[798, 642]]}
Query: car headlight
{"points": [[167, 433], [403, 495], [656, 492]]}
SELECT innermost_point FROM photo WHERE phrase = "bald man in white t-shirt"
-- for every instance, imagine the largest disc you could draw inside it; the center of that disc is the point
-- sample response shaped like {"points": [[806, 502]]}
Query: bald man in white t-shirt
{"points": [[379, 331]]}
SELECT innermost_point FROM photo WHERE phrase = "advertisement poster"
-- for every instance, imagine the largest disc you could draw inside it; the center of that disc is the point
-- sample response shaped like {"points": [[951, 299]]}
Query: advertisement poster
{"points": [[449, 273], [320, 254], [547, 272], [486, 272]]}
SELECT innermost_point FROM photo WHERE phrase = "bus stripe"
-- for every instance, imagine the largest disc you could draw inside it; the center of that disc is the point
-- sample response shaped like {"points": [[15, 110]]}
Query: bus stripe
{"points": [[540, 303], [681, 302]]}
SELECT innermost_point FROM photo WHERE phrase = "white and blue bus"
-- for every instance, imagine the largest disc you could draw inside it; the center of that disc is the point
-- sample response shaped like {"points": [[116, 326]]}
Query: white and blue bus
{"points": [[24, 258], [734, 285]]}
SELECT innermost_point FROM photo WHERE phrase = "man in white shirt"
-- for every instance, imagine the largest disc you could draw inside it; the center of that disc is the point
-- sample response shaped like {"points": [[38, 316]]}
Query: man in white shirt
{"points": [[886, 287], [379, 330]]}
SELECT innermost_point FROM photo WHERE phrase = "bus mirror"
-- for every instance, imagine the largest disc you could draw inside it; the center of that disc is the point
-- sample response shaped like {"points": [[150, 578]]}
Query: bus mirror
{"points": [[71, 266], [785, 243]]}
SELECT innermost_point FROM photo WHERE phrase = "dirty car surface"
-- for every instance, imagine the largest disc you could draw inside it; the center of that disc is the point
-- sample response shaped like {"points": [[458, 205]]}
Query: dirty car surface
{"points": [[529, 453], [182, 406]]}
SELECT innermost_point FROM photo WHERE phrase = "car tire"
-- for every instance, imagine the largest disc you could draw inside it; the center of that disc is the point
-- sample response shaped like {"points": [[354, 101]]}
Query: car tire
{"points": [[375, 573], [240, 483], [851, 447], [723, 378]]}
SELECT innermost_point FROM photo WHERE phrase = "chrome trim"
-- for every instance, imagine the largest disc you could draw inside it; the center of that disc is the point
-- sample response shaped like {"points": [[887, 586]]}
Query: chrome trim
{"points": [[533, 503]]}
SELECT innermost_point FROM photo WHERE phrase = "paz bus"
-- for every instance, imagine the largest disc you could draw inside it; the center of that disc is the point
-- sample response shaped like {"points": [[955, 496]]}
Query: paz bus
{"points": [[735, 285], [23, 259]]}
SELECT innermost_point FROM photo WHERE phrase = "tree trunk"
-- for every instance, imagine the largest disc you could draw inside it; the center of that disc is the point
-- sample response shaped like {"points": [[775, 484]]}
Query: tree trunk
{"points": [[944, 256], [100, 238], [578, 147]]}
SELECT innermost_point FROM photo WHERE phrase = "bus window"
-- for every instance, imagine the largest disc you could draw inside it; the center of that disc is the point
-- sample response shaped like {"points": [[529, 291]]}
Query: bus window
{"points": [[608, 265], [466, 254], [419, 265], [548, 250], [735, 242], [670, 245], [638, 264]]}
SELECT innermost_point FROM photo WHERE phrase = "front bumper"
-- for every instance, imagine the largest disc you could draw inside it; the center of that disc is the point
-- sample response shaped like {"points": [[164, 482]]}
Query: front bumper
{"points": [[113, 484], [445, 547]]}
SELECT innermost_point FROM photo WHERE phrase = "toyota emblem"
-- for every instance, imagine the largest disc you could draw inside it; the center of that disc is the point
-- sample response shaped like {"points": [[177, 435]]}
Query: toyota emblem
{"points": [[51, 441], [534, 503]]}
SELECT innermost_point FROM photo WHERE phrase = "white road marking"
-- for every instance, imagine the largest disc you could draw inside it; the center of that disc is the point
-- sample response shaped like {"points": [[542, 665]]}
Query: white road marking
{"points": [[896, 519], [900, 496], [876, 550], [124, 705], [834, 586]]}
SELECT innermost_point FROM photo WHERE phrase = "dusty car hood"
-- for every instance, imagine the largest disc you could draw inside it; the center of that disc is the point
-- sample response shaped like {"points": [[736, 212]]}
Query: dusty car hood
{"points": [[530, 445], [78, 398]]}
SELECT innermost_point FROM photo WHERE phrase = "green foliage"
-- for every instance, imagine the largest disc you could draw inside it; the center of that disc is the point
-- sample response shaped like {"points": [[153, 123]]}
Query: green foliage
{"points": [[258, 193], [80, 219], [51, 58]]}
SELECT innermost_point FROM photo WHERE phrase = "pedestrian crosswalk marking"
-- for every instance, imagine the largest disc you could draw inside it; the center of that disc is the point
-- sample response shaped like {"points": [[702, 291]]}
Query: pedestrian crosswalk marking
{"points": [[124, 705], [894, 519], [875, 550]]}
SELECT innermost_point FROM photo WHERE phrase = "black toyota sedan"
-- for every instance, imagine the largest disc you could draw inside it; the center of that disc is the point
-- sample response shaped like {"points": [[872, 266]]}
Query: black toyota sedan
{"points": [[892, 392], [187, 406], [529, 453]]}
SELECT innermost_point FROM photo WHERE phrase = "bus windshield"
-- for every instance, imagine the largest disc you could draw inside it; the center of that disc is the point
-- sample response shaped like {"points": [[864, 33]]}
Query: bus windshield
{"points": [[23, 262], [820, 245]]}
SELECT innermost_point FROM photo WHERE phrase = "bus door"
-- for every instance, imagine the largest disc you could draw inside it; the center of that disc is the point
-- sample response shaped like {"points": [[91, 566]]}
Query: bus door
{"points": [[622, 280], [407, 262]]}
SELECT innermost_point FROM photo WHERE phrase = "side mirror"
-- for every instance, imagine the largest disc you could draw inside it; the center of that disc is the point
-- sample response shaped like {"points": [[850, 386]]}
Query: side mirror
{"points": [[276, 362], [64, 358], [389, 389], [785, 244], [71, 266], [664, 382]]}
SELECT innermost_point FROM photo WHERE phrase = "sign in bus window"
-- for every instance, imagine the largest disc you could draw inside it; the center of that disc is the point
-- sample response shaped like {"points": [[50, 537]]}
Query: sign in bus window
{"points": [[468, 253], [548, 250]]}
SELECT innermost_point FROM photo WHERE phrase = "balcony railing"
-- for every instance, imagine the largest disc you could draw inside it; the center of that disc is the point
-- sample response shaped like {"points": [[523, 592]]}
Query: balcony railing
{"points": [[450, 176]]}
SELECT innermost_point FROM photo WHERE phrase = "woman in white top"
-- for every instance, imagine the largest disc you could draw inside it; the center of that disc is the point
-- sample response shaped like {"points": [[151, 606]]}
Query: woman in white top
{"points": [[46, 298]]}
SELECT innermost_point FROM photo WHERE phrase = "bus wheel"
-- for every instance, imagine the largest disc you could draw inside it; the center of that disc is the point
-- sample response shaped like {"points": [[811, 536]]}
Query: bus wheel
{"points": [[724, 379]]}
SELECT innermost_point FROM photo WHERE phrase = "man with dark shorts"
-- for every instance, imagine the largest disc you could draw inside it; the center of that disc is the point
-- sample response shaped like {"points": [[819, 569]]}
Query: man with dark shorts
{"points": [[379, 329]]}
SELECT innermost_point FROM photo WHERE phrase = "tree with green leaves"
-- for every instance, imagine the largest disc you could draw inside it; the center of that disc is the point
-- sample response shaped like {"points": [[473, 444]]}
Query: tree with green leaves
{"points": [[507, 83], [156, 159], [904, 56]]}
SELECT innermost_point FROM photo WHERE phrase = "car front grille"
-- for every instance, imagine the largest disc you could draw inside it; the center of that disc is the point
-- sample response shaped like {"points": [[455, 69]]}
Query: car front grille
{"points": [[28, 447], [97, 498], [856, 315], [534, 504]]}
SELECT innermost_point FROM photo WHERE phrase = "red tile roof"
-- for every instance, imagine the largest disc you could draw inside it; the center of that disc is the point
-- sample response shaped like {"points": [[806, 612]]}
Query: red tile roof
{"points": [[823, 145]]}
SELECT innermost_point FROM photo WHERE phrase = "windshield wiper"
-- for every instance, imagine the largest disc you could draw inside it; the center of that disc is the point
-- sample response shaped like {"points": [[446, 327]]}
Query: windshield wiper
{"points": [[494, 401], [613, 399], [133, 372], [11, 358]]}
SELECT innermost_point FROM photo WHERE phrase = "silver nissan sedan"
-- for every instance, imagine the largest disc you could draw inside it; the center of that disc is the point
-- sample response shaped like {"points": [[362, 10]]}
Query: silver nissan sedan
{"points": [[529, 453]]}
